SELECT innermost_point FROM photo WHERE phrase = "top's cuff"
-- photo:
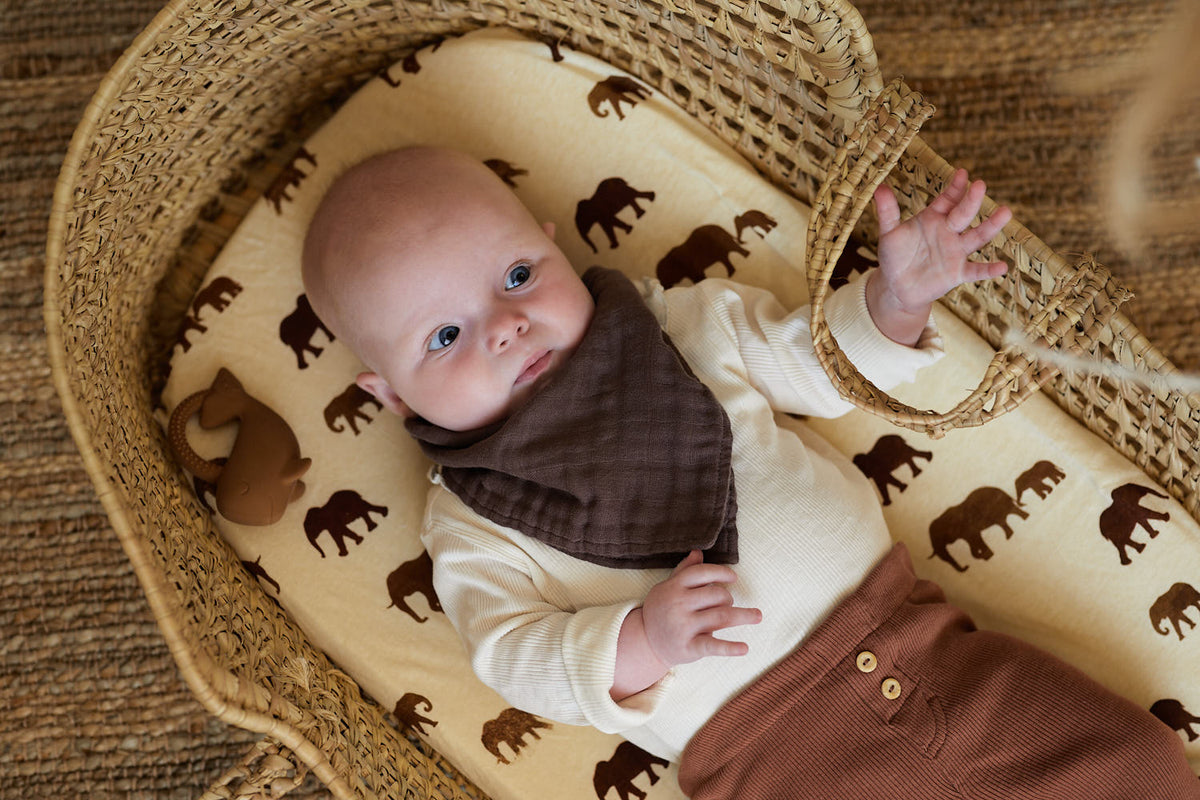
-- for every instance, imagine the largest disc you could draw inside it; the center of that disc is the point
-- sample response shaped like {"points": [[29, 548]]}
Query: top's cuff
{"points": [[590, 647], [882, 361]]}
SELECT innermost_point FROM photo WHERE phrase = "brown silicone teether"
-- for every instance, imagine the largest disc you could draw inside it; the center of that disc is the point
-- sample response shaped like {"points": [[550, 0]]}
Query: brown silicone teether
{"points": [[262, 473]]}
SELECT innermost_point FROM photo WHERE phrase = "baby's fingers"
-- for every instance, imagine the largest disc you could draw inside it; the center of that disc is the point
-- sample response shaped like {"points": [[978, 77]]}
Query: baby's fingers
{"points": [[887, 209], [690, 560], [710, 595], [960, 216], [984, 232], [709, 645], [722, 617], [716, 619], [695, 575], [983, 270], [952, 195]]}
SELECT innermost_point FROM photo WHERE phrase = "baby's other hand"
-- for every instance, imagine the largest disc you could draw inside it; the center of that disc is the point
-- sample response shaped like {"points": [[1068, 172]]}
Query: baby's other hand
{"points": [[925, 256], [681, 613]]}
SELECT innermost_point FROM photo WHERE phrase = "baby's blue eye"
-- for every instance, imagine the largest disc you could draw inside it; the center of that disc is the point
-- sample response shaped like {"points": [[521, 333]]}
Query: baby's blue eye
{"points": [[444, 337], [517, 276]]}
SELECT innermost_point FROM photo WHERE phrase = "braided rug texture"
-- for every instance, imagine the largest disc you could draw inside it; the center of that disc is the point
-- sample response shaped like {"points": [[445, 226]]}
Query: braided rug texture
{"points": [[92, 702]]}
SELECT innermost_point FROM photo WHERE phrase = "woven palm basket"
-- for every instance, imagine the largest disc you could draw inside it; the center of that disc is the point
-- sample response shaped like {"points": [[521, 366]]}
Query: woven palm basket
{"points": [[201, 113]]}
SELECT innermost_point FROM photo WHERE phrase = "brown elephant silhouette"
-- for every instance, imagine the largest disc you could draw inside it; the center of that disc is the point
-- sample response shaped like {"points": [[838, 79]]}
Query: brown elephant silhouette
{"points": [[413, 577], [612, 196], [628, 762], [555, 51], [1125, 515], [349, 406], [1172, 607], [217, 295], [386, 75], [410, 64], [510, 727], [1042, 477], [505, 171], [188, 325], [256, 569], [298, 329], [881, 462], [290, 176], [852, 261], [705, 246], [1175, 716], [342, 508], [262, 472], [754, 220], [967, 521], [410, 719], [614, 91]]}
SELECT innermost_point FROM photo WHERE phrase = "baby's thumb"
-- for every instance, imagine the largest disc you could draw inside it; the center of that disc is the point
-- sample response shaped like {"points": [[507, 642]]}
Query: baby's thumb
{"points": [[691, 559], [887, 209]]}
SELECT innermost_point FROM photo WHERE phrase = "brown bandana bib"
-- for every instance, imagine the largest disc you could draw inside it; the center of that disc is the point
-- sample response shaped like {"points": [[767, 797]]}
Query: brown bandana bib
{"points": [[621, 459]]}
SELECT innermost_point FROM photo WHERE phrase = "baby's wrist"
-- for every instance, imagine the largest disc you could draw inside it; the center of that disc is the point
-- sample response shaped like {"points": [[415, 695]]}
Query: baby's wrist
{"points": [[642, 642], [897, 320], [638, 666]]}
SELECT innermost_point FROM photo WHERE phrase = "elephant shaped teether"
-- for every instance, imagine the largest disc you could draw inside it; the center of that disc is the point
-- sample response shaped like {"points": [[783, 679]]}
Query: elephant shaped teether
{"points": [[262, 472]]}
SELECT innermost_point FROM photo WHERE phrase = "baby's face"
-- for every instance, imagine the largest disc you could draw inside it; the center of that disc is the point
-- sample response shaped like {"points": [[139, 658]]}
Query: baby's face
{"points": [[471, 312]]}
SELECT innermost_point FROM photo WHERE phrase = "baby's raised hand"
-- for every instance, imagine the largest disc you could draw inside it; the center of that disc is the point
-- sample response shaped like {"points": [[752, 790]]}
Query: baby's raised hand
{"points": [[681, 613], [925, 256]]}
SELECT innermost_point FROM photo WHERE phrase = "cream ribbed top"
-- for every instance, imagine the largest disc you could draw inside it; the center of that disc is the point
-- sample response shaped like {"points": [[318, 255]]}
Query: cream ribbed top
{"points": [[541, 627]]}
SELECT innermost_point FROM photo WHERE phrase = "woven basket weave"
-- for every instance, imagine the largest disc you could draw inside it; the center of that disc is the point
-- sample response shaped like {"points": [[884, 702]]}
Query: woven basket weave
{"points": [[197, 119]]}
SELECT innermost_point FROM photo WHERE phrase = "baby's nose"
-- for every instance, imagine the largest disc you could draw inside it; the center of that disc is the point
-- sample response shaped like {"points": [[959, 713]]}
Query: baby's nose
{"points": [[507, 326]]}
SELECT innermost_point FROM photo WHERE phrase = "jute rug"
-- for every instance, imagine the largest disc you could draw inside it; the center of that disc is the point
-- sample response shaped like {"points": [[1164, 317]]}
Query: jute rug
{"points": [[91, 703]]}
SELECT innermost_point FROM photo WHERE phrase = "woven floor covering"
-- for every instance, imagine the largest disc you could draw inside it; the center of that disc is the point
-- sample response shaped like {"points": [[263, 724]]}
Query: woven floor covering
{"points": [[91, 704]]}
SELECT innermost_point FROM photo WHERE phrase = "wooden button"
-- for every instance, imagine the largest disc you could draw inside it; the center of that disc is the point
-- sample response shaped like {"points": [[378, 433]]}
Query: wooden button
{"points": [[867, 662], [890, 688]]}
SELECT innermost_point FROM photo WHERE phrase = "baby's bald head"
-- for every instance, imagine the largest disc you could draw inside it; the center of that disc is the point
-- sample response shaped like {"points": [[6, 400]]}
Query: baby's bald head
{"points": [[375, 210], [431, 270]]}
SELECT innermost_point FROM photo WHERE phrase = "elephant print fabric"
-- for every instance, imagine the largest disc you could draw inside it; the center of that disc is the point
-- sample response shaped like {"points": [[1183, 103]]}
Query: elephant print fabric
{"points": [[882, 461], [215, 296], [298, 329], [1127, 515], [982, 509], [289, 178], [410, 578], [632, 183], [410, 712], [1172, 607], [611, 197], [346, 410], [617, 773], [510, 729], [342, 508]]}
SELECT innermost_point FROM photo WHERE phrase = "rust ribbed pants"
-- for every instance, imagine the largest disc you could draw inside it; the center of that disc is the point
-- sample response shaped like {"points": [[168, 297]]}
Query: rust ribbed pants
{"points": [[897, 695]]}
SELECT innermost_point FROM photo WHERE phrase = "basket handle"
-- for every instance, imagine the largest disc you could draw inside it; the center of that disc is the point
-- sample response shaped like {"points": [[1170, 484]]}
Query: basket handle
{"points": [[870, 152], [268, 770]]}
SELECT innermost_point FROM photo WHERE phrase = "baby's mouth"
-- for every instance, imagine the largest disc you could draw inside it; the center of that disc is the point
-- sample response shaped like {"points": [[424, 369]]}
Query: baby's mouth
{"points": [[534, 367]]}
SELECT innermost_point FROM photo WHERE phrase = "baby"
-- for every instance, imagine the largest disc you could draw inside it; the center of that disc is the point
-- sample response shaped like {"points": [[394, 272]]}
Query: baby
{"points": [[613, 488]]}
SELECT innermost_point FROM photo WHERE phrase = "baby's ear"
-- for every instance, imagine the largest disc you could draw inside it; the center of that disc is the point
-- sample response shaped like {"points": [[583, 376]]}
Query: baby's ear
{"points": [[550, 229], [375, 385]]}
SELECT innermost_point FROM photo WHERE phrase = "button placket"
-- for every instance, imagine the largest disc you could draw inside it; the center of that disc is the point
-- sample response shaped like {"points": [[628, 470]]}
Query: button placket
{"points": [[882, 683]]}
